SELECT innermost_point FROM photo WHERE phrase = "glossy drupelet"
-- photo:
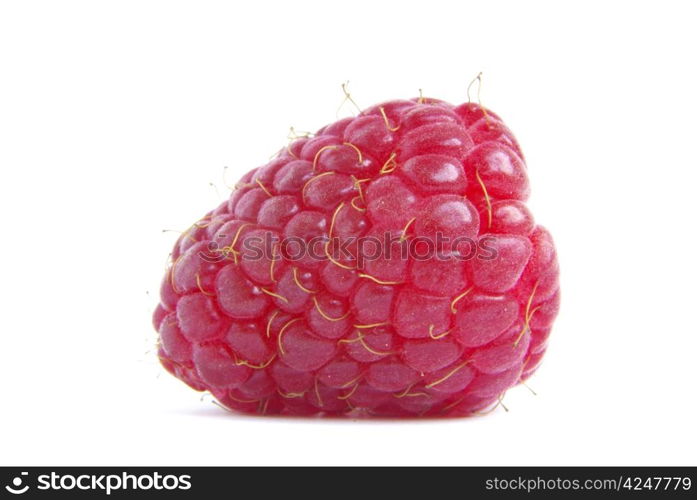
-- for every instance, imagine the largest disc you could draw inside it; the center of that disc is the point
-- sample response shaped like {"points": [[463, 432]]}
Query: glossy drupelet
{"points": [[384, 336]]}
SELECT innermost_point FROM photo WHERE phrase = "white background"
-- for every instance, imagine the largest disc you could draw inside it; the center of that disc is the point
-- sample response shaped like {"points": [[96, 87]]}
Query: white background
{"points": [[116, 116]]}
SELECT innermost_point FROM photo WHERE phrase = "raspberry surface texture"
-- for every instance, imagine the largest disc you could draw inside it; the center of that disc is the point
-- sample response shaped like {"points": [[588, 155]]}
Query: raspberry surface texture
{"points": [[386, 265]]}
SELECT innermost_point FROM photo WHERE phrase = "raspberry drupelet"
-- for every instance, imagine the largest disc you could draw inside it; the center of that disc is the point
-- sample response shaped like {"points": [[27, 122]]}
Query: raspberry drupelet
{"points": [[274, 304]]}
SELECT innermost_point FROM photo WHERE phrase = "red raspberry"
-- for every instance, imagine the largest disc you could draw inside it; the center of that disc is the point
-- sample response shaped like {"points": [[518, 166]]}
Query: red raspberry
{"points": [[275, 301]]}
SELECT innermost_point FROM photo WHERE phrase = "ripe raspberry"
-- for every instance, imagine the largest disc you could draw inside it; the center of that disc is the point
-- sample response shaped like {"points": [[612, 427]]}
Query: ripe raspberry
{"points": [[314, 322]]}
